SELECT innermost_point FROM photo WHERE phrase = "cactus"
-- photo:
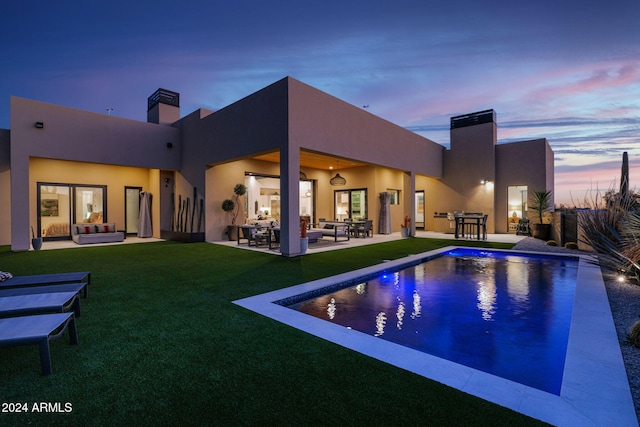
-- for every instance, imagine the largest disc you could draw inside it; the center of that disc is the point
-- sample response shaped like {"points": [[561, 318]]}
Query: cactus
{"points": [[193, 211], [201, 215], [184, 219]]}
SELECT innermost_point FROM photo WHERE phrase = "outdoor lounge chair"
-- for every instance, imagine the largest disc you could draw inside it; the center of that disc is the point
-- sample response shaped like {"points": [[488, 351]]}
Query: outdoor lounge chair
{"points": [[48, 279], [55, 302], [40, 330], [47, 289]]}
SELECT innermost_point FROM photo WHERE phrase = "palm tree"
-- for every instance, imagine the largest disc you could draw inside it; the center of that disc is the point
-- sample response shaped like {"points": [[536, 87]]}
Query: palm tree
{"points": [[541, 202]]}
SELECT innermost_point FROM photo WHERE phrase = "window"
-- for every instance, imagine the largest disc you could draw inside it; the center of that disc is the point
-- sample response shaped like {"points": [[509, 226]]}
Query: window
{"points": [[395, 196]]}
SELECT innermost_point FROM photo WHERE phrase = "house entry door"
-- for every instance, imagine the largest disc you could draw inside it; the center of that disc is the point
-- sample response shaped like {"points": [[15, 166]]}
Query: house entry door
{"points": [[419, 213], [131, 209]]}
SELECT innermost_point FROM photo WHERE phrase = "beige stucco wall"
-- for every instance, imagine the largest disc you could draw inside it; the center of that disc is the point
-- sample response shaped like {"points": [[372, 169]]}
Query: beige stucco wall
{"points": [[75, 135], [527, 163], [323, 123], [5, 189]]}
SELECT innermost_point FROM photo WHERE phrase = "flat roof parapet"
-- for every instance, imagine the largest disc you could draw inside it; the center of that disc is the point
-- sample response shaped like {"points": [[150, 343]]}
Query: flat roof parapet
{"points": [[163, 96], [471, 119]]}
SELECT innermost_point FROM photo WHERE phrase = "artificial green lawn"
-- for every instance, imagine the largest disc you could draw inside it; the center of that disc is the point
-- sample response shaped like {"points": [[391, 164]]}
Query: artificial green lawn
{"points": [[161, 343]]}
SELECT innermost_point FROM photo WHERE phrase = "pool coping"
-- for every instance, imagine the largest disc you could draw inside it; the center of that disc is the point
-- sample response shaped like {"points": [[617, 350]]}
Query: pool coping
{"points": [[595, 389]]}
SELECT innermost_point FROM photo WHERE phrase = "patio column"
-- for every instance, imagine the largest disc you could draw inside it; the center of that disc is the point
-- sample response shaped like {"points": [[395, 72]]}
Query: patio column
{"points": [[289, 201], [20, 203], [410, 198]]}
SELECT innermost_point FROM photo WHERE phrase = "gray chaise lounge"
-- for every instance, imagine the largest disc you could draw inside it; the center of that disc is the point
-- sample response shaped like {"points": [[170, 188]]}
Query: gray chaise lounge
{"points": [[56, 302], [48, 279], [40, 330]]}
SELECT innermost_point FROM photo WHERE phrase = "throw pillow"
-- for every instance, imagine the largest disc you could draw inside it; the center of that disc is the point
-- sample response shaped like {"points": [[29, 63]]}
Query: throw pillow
{"points": [[84, 229]]}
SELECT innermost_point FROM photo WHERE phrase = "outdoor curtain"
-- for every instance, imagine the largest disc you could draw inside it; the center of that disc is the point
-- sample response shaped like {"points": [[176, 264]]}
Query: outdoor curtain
{"points": [[384, 224], [144, 220]]}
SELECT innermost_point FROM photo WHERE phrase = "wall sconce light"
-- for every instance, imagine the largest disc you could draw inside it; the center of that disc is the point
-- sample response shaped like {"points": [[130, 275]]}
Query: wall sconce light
{"points": [[39, 125], [169, 144], [484, 181], [167, 181]]}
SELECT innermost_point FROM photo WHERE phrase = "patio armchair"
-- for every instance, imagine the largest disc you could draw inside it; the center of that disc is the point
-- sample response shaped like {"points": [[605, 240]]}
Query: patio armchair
{"points": [[523, 228], [274, 242], [248, 233]]}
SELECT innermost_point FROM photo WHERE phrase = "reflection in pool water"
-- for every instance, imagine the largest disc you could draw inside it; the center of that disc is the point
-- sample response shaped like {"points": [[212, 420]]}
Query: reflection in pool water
{"points": [[502, 313]]}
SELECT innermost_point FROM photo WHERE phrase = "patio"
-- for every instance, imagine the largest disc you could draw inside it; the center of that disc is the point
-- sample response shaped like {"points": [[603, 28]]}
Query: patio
{"points": [[327, 244]]}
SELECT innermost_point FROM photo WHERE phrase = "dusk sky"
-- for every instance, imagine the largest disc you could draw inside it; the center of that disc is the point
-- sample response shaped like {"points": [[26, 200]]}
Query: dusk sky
{"points": [[564, 70]]}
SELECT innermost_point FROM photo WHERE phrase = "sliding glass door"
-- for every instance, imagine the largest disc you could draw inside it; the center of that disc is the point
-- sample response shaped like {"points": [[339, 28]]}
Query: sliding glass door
{"points": [[60, 205], [54, 211], [351, 204]]}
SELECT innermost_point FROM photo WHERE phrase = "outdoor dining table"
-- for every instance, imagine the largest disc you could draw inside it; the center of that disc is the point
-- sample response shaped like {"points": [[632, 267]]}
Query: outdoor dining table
{"points": [[473, 219], [353, 224]]}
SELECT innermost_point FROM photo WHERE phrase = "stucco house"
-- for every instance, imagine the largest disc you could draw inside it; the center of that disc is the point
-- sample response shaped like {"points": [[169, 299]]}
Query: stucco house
{"points": [[285, 142]]}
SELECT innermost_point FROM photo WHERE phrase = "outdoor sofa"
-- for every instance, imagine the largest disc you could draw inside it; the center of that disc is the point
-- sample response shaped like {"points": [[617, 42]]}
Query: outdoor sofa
{"points": [[84, 234], [332, 229]]}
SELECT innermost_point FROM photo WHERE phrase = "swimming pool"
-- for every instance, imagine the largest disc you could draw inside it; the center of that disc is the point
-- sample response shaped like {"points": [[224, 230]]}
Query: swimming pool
{"points": [[505, 314], [595, 389]]}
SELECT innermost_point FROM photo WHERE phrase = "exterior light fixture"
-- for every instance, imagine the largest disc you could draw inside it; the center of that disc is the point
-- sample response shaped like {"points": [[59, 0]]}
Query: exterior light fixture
{"points": [[337, 180], [39, 125], [303, 176]]}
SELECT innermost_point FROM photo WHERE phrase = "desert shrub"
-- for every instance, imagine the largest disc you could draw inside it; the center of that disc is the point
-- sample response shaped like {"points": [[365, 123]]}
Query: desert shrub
{"points": [[610, 225], [634, 334]]}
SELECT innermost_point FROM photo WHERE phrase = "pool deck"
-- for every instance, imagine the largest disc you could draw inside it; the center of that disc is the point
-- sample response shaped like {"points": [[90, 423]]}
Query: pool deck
{"points": [[595, 390]]}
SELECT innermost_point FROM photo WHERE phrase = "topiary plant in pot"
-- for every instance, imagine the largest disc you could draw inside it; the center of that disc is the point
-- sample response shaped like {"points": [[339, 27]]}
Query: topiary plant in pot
{"points": [[232, 208], [541, 203]]}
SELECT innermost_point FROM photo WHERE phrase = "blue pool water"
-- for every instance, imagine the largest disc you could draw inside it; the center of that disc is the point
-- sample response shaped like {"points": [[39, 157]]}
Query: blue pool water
{"points": [[503, 313]]}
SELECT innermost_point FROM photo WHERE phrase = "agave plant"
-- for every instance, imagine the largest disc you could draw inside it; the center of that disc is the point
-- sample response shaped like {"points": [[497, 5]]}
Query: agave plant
{"points": [[612, 229]]}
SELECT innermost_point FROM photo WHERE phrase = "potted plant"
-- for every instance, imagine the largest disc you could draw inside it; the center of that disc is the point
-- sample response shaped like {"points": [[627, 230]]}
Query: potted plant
{"points": [[232, 208], [405, 229], [304, 240], [36, 242], [541, 203]]}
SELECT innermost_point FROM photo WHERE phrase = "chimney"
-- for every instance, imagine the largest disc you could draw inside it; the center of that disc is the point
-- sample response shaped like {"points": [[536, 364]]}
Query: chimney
{"points": [[163, 107]]}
